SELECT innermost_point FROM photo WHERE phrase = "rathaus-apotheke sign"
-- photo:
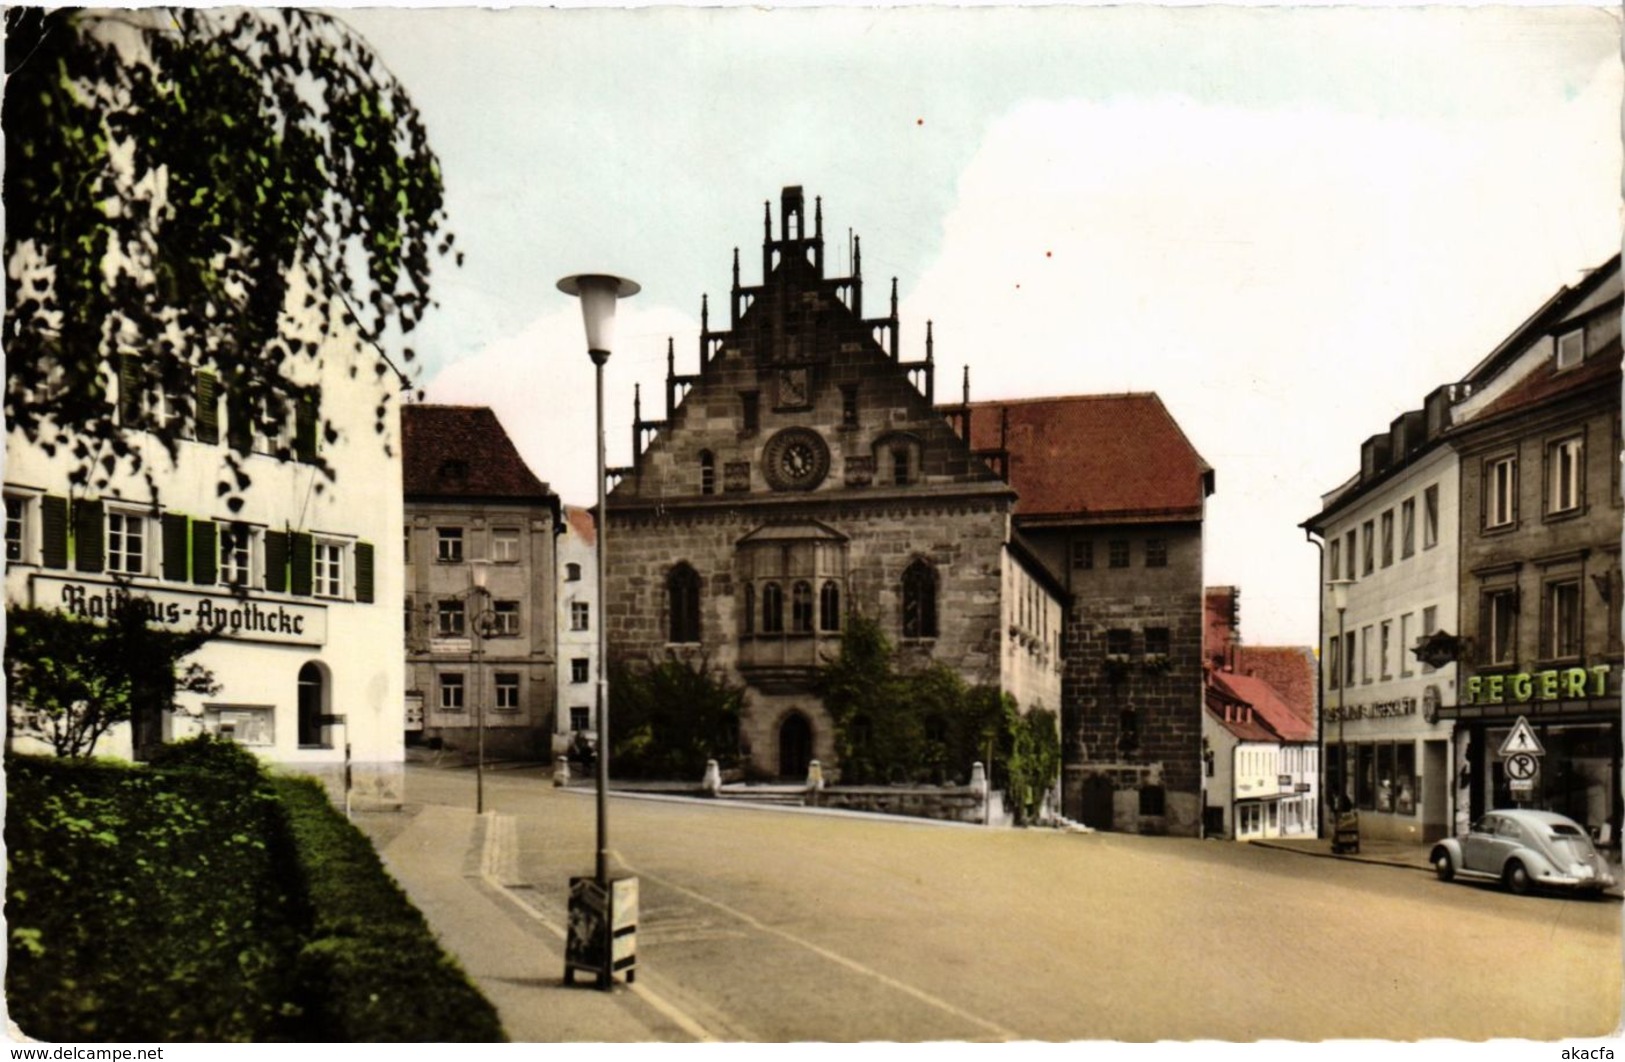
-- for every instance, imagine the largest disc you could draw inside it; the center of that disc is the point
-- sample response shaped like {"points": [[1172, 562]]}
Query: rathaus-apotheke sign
{"points": [[244, 618]]}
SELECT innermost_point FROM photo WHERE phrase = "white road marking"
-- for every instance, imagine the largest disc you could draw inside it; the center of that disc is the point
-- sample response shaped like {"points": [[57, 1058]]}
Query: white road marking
{"points": [[499, 859], [851, 964]]}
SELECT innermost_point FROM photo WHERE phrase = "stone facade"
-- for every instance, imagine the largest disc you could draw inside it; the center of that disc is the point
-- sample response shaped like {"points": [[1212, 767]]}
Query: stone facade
{"points": [[801, 475]]}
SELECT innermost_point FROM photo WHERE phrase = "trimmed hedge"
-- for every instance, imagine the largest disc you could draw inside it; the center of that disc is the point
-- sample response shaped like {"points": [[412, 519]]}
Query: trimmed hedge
{"points": [[370, 969], [204, 901], [146, 905]]}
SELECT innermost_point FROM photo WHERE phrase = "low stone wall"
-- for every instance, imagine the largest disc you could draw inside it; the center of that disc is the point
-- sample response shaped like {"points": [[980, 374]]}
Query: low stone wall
{"points": [[949, 803]]}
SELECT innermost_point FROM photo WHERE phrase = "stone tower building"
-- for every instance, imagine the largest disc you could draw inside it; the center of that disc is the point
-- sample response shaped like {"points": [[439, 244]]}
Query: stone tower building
{"points": [[803, 474]]}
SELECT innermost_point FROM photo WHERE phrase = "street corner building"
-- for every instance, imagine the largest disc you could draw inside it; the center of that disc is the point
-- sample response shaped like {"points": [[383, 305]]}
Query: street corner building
{"points": [[807, 473], [297, 585], [479, 616], [1478, 554]]}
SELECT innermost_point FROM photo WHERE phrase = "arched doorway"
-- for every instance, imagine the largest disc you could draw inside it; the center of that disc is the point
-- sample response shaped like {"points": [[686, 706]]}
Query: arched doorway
{"points": [[312, 705], [795, 746]]}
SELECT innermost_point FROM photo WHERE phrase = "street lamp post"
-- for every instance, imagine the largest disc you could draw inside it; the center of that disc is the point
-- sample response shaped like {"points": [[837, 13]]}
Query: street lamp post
{"points": [[479, 571], [1340, 602], [592, 946]]}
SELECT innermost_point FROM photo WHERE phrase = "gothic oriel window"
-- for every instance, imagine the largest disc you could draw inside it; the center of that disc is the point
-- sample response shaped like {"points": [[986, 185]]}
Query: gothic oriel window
{"points": [[801, 607], [772, 609], [829, 606], [683, 600], [919, 600]]}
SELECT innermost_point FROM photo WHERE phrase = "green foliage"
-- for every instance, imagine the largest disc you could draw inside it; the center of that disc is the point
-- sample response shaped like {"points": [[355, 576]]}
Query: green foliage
{"points": [[930, 725], [206, 902], [213, 755], [145, 905], [168, 173], [76, 679], [370, 969], [667, 719]]}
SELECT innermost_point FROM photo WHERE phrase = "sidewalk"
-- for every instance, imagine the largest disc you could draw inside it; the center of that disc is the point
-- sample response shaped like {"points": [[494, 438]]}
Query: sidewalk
{"points": [[1396, 854], [438, 855]]}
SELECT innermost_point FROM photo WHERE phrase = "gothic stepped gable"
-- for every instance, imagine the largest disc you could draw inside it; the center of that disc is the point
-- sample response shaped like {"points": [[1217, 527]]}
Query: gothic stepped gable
{"points": [[837, 412]]}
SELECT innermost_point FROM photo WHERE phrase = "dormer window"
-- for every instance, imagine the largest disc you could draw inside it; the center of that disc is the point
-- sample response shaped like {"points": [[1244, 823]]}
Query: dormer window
{"points": [[1571, 349], [454, 473]]}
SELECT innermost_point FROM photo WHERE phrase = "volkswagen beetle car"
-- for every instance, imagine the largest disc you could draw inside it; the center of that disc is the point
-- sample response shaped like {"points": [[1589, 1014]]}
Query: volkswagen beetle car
{"points": [[1524, 850]]}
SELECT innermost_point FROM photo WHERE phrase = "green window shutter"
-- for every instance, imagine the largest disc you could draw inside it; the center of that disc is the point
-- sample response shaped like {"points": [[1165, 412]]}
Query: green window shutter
{"points": [[208, 408], [129, 389], [53, 512], [304, 428], [205, 555], [88, 525], [300, 556], [276, 561], [176, 547], [363, 572]]}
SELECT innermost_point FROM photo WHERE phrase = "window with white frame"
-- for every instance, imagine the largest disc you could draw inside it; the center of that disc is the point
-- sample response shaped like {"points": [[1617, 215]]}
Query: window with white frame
{"points": [[16, 528], [1565, 465], [126, 543], [507, 619], [449, 544], [236, 566], [450, 618], [580, 616], [507, 691], [1562, 626], [273, 428], [451, 691], [1499, 623], [328, 571], [1571, 349], [1500, 491], [505, 545]]}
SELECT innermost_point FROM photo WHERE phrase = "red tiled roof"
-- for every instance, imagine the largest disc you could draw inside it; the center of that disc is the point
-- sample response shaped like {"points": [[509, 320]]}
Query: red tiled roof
{"points": [[1253, 730], [1547, 383], [1095, 456], [581, 524], [1289, 670], [1267, 707], [462, 451]]}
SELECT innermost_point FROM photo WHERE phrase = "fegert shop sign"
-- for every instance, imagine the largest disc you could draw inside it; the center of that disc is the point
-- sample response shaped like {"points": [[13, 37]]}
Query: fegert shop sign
{"points": [[244, 618], [1570, 683]]}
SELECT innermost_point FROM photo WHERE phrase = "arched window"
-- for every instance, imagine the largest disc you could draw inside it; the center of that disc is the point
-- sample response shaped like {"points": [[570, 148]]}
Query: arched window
{"points": [[829, 606], [312, 706], [683, 598], [708, 473], [772, 609], [750, 608], [919, 601], [801, 607]]}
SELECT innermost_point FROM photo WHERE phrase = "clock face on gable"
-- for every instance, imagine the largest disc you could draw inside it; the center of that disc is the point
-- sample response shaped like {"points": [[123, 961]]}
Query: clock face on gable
{"points": [[795, 459]]}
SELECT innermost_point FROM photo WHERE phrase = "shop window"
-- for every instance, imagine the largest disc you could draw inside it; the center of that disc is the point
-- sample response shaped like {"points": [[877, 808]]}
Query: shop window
{"points": [[1365, 779], [1561, 631], [1385, 778], [1405, 779]]}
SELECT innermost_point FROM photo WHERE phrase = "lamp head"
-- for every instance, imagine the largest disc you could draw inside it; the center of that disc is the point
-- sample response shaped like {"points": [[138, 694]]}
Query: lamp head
{"points": [[598, 292], [1340, 593], [480, 570]]}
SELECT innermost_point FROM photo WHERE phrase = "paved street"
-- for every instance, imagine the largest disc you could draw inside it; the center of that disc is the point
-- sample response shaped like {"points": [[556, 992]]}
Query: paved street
{"points": [[779, 925]]}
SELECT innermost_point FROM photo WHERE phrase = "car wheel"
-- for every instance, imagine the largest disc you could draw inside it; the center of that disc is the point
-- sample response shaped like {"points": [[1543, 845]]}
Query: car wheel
{"points": [[1516, 878], [1442, 866]]}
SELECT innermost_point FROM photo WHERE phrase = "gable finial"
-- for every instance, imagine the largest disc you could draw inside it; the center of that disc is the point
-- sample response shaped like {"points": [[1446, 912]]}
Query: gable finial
{"points": [[894, 300], [967, 385], [767, 220], [637, 403], [736, 269], [818, 217], [671, 358], [705, 312]]}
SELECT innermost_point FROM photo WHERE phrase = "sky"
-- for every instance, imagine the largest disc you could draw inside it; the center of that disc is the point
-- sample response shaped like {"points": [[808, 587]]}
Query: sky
{"points": [[1289, 223]]}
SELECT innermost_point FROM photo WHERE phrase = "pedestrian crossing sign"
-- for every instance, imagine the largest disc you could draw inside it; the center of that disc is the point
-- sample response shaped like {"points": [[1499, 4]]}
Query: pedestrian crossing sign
{"points": [[1522, 739]]}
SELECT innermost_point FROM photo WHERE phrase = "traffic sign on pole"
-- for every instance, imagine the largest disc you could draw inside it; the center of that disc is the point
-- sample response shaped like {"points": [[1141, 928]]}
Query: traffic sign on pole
{"points": [[1522, 739]]}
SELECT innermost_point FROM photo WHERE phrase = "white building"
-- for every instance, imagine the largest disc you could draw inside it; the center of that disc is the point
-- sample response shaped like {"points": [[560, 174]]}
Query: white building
{"points": [[302, 585], [578, 639], [1263, 769], [1390, 535]]}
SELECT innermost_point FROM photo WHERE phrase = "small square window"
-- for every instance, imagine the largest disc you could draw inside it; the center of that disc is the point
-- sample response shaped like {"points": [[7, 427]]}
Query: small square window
{"points": [[1157, 641], [1571, 349], [1119, 642], [580, 718], [572, 573], [1156, 553]]}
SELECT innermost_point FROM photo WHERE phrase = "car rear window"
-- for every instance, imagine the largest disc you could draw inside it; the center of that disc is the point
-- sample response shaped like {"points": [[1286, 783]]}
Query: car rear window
{"points": [[1563, 829]]}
